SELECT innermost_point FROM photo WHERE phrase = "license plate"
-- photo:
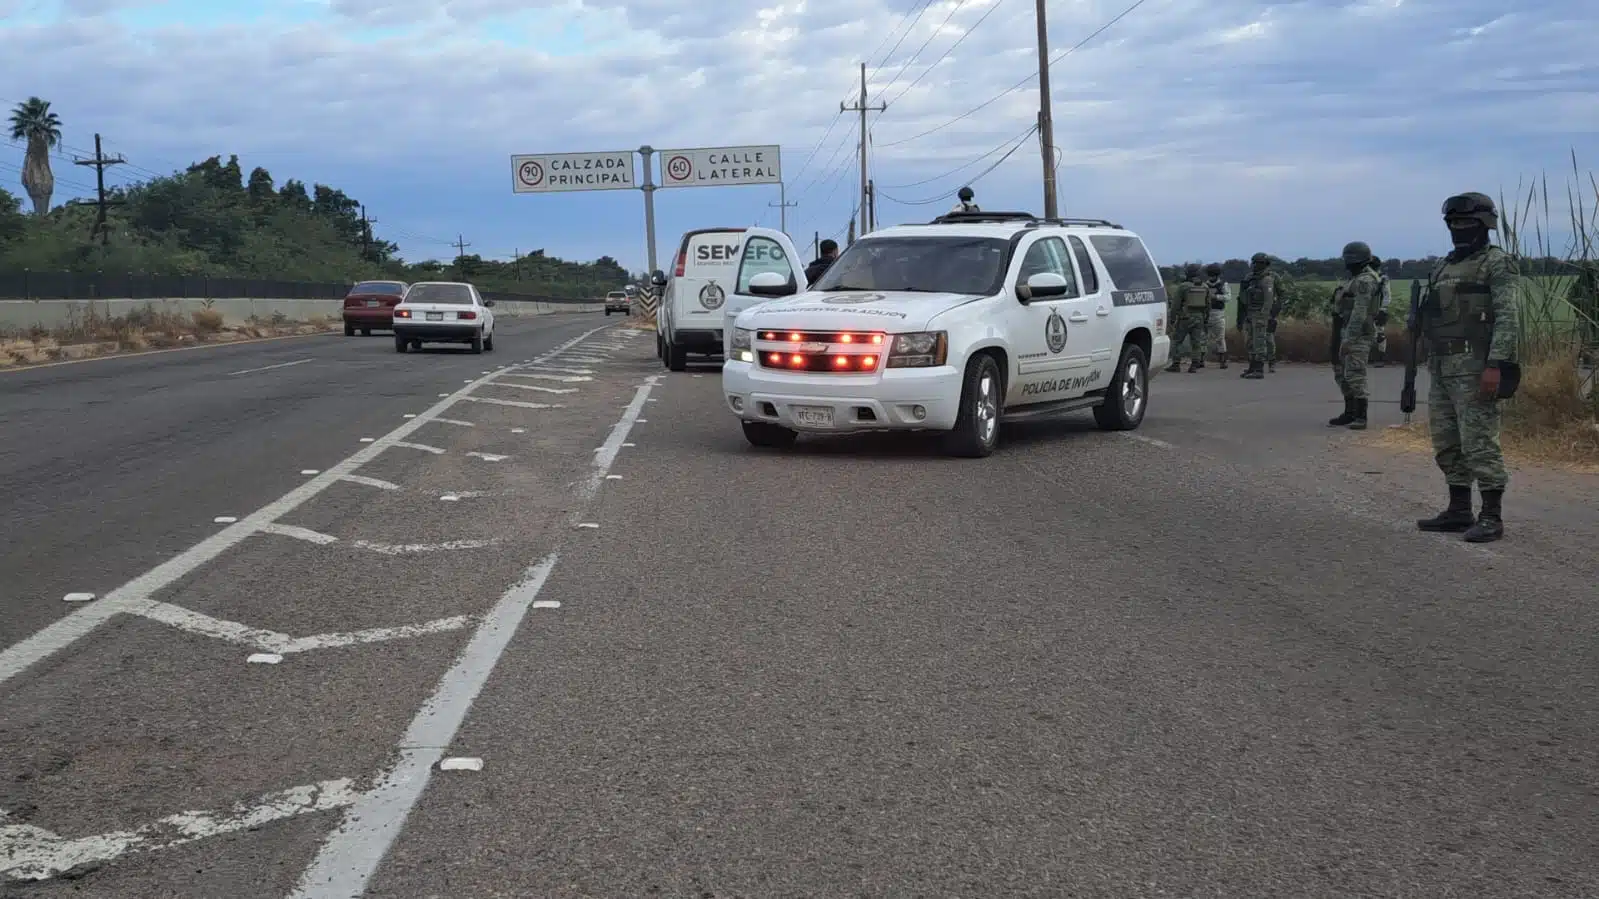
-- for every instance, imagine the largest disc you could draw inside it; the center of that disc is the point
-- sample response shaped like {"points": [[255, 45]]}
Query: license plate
{"points": [[435, 316], [371, 302], [814, 416]]}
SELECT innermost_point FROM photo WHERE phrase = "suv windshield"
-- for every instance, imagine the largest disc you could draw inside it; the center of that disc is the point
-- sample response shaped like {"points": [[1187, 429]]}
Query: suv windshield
{"points": [[974, 265], [387, 288], [454, 294]]}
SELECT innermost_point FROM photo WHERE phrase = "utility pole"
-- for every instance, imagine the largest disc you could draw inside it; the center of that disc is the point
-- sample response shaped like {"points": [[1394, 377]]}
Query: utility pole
{"points": [[863, 108], [871, 205], [460, 246], [1046, 120], [100, 162], [366, 233], [783, 205], [816, 244], [516, 259]]}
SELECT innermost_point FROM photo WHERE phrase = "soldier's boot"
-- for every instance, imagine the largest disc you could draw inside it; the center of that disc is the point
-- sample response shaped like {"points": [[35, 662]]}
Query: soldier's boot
{"points": [[1194, 365], [1455, 519], [1490, 526], [1347, 416], [1254, 372], [1272, 366], [1358, 422], [1176, 364], [1223, 363]]}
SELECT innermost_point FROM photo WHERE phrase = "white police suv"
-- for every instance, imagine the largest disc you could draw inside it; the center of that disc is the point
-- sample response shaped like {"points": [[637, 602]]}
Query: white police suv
{"points": [[953, 327]]}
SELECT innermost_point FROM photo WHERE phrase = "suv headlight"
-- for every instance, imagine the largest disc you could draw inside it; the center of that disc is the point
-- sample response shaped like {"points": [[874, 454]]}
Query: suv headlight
{"points": [[922, 349], [740, 346]]}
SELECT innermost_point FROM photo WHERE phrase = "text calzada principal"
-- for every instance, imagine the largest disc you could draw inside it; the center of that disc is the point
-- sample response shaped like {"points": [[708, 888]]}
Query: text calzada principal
{"points": [[555, 172]]}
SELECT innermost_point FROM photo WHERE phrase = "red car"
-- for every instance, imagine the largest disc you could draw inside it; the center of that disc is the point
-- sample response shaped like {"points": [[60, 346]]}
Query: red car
{"points": [[370, 305]]}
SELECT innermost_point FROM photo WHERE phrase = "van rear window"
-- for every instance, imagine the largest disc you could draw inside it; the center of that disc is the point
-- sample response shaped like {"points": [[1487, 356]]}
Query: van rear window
{"points": [[717, 250], [1127, 261]]}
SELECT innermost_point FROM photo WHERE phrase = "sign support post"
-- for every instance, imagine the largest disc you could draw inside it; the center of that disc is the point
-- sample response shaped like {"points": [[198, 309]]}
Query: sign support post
{"points": [[648, 186]]}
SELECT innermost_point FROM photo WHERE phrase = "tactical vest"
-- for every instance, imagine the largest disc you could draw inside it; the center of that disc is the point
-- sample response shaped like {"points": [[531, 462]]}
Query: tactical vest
{"points": [[1458, 315], [1251, 291], [1344, 296], [1196, 296]]}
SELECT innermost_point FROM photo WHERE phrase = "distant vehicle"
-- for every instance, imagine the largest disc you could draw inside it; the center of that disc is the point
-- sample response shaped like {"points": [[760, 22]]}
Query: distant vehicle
{"points": [[689, 318], [443, 312], [952, 327], [370, 305], [618, 301]]}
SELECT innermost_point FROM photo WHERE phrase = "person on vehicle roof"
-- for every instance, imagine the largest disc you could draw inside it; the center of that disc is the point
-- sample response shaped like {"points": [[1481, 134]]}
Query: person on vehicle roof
{"points": [[967, 202], [828, 254]]}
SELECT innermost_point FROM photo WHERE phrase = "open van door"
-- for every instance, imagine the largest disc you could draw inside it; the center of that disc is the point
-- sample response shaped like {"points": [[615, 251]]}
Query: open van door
{"points": [[761, 250]]}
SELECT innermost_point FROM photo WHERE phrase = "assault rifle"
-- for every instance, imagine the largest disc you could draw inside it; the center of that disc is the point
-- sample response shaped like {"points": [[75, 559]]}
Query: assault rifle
{"points": [[1407, 396]]}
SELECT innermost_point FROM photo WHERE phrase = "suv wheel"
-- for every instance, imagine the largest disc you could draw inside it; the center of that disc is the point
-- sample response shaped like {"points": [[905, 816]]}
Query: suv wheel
{"points": [[976, 431], [1128, 396], [763, 434]]}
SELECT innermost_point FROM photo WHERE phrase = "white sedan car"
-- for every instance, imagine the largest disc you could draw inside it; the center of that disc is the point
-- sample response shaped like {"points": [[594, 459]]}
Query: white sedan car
{"points": [[443, 312]]}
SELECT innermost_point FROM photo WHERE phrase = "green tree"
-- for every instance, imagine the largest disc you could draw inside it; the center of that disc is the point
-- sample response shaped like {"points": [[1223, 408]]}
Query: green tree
{"points": [[32, 121]]}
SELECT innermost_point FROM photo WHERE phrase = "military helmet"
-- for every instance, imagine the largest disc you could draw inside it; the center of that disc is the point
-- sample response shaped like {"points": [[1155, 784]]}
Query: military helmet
{"points": [[1213, 270], [1472, 205], [1260, 259], [1357, 252], [1192, 269], [965, 194]]}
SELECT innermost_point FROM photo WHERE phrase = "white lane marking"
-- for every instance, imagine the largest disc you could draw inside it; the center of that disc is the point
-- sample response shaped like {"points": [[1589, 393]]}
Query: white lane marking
{"points": [[588, 525], [409, 415], [78, 597], [298, 533], [137, 593], [1149, 440], [643, 421], [613, 477], [546, 368], [224, 519], [536, 387], [516, 403], [546, 604], [268, 367], [419, 446], [488, 457], [629, 445], [33, 853], [405, 549], [455, 421], [461, 763], [275, 643], [264, 658], [564, 379], [519, 430], [368, 439], [372, 482], [309, 471], [444, 394], [351, 854]]}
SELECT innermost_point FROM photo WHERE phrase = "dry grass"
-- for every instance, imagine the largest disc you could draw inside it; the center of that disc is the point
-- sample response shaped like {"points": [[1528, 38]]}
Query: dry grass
{"points": [[89, 335]]}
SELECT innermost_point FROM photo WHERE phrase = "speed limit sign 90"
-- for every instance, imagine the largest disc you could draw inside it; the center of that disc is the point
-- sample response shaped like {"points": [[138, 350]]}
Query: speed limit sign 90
{"points": [[531, 173], [679, 168]]}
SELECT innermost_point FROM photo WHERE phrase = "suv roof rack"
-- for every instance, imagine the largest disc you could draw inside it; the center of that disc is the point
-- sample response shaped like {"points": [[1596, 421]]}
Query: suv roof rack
{"points": [[1032, 221]]}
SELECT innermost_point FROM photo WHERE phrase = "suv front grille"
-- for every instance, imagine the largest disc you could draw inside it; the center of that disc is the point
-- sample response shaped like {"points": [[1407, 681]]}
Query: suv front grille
{"points": [[835, 352]]}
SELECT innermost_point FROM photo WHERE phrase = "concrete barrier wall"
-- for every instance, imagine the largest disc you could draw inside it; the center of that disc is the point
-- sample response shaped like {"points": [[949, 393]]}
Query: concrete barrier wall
{"points": [[50, 315]]}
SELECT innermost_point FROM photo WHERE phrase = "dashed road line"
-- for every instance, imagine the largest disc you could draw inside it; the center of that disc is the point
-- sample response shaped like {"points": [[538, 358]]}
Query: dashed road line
{"points": [[373, 482], [406, 549], [455, 421], [29, 853], [496, 402], [269, 641], [138, 593], [1149, 440], [564, 379], [250, 371], [556, 390], [348, 858], [298, 533], [420, 446]]}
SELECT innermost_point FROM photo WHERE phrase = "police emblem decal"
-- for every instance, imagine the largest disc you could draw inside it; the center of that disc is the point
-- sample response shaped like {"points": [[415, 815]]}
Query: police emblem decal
{"points": [[711, 296], [1055, 332]]}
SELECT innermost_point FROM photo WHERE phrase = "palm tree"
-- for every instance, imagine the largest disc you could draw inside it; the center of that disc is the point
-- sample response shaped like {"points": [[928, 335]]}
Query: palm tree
{"points": [[33, 121]]}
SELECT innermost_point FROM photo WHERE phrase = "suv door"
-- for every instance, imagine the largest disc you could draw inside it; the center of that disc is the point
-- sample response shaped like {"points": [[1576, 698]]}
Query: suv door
{"points": [[761, 250], [1103, 329], [1055, 337]]}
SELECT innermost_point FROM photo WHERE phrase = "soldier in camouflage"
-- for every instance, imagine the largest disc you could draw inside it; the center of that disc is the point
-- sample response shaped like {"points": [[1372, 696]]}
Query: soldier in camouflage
{"points": [[1356, 302], [1190, 313], [1216, 330], [1470, 320], [1259, 301]]}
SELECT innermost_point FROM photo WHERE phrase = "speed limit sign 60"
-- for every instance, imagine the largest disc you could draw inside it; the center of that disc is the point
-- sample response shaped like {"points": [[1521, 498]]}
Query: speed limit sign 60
{"points": [[679, 168]]}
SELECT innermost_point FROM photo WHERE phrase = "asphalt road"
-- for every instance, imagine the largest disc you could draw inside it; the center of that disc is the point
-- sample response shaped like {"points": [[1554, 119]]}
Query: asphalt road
{"points": [[1209, 658]]}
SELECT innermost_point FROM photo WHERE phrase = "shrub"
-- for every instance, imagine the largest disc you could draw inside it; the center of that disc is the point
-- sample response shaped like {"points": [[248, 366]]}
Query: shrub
{"points": [[207, 321]]}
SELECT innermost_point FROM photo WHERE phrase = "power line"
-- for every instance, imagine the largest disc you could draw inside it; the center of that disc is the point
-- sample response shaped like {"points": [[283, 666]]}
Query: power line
{"points": [[965, 165], [1022, 83], [953, 10], [997, 163], [919, 13], [947, 51]]}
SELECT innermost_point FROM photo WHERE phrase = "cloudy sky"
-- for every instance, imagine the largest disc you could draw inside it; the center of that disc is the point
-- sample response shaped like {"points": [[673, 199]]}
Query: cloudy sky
{"points": [[1214, 128]]}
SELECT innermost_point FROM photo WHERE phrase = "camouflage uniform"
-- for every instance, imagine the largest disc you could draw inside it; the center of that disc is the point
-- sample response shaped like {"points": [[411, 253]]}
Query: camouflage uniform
{"points": [[1216, 332], [1471, 323], [1356, 302], [1190, 313], [1259, 301]]}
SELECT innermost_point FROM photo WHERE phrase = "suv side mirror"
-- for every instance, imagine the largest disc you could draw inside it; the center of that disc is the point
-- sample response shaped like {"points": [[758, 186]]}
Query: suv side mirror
{"points": [[771, 284], [658, 278], [488, 302], [1041, 286]]}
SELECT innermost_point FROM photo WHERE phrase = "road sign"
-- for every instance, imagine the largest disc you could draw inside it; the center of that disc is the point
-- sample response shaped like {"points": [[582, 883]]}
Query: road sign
{"points": [[555, 172], [721, 166]]}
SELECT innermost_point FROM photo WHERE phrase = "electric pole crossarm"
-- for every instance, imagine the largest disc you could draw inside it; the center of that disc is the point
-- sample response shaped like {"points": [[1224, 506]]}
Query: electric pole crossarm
{"points": [[783, 205], [101, 162], [863, 108]]}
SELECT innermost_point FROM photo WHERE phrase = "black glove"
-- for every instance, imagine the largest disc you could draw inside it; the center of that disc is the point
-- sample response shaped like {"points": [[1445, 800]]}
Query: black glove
{"points": [[1271, 326], [1381, 318]]}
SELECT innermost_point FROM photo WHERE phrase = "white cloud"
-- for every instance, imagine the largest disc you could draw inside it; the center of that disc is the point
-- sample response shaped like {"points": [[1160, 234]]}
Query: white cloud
{"points": [[1213, 126]]}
